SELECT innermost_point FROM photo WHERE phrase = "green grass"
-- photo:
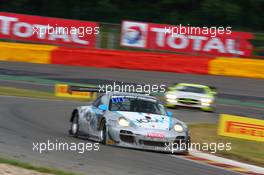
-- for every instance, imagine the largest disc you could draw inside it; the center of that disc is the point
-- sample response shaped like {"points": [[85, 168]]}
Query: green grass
{"points": [[25, 92], [10, 91], [242, 150], [35, 168]]}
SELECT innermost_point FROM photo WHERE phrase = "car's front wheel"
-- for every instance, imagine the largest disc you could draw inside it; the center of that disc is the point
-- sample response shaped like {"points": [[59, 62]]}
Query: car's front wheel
{"points": [[74, 130]]}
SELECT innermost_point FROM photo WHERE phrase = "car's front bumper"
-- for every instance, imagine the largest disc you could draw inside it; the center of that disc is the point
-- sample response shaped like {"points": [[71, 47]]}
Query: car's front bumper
{"points": [[172, 142], [197, 104]]}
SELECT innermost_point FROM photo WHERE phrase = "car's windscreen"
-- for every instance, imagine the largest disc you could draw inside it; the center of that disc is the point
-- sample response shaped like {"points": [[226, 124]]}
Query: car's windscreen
{"points": [[192, 89], [136, 104]]}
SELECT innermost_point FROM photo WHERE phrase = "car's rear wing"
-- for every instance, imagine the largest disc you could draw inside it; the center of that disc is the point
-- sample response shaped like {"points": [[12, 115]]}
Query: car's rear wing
{"points": [[80, 92], [84, 89]]}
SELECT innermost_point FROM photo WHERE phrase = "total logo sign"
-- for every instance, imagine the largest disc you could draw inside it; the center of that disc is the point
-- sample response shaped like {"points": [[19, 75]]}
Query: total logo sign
{"points": [[29, 28], [134, 34], [156, 37]]}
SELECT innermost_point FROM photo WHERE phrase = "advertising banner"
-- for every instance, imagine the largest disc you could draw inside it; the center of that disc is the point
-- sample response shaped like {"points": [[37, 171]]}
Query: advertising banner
{"points": [[48, 30], [63, 90], [241, 127], [211, 41]]}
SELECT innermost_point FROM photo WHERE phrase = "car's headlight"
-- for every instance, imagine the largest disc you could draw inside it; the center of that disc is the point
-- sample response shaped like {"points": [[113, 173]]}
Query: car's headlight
{"points": [[178, 128], [171, 96], [206, 100], [123, 121]]}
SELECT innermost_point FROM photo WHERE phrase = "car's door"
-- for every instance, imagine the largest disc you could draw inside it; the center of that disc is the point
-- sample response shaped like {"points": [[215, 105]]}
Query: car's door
{"points": [[87, 116], [96, 115]]}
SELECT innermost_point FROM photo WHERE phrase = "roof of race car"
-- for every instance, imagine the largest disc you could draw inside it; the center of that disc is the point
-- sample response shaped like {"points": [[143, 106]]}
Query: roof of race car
{"points": [[130, 94], [189, 84]]}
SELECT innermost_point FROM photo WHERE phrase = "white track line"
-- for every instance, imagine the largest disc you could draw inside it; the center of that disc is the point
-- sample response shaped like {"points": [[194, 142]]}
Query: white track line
{"points": [[218, 159]]}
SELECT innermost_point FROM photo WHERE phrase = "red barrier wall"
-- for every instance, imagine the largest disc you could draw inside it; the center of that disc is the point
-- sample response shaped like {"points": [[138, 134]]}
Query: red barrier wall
{"points": [[130, 60]]}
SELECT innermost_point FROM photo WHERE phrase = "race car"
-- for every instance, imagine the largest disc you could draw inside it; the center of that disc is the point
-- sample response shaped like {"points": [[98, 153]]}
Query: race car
{"points": [[130, 120], [191, 95]]}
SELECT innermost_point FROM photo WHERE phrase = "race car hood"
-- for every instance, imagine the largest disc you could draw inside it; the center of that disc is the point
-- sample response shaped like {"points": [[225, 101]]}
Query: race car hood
{"points": [[148, 121], [190, 95]]}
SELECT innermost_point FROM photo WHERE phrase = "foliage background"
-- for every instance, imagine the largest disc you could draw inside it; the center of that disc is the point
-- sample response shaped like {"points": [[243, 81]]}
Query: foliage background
{"points": [[244, 15]]}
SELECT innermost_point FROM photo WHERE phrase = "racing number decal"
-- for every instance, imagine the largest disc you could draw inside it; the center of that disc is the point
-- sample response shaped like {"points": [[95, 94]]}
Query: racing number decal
{"points": [[96, 115], [93, 122], [88, 116]]}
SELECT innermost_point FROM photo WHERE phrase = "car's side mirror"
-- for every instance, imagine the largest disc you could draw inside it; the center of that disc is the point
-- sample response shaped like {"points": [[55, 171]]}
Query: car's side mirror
{"points": [[102, 107], [169, 113], [213, 90]]}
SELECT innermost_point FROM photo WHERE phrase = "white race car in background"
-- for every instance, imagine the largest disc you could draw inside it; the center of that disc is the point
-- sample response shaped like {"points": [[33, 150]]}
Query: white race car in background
{"points": [[191, 95]]}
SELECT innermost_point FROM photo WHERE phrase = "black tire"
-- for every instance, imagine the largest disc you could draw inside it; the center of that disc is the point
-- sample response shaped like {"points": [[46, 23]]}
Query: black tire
{"points": [[74, 130], [104, 132]]}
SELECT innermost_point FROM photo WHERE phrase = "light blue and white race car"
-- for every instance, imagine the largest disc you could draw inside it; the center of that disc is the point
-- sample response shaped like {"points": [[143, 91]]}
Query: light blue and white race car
{"points": [[130, 120]]}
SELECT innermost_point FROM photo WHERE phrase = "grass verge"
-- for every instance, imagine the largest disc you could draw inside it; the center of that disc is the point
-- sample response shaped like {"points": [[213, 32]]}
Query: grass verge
{"points": [[242, 150], [35, 168], [10, 91]]}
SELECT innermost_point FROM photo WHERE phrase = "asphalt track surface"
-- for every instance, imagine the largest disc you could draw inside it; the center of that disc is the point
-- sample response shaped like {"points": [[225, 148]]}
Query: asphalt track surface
{"points": [[24, 121], [244, 89], [225, 85]]}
